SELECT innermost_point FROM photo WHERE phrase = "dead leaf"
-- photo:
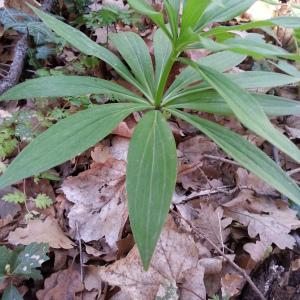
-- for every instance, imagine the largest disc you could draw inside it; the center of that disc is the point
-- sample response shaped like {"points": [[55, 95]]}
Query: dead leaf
{"points": [[271, 220], [209, 222], [92, 280], [38, 231], [168, 290], [245, 179], [258, 250], [21, 5], [232, 285], [62, 285], [261, 11], [99, 197], [175, 259]]}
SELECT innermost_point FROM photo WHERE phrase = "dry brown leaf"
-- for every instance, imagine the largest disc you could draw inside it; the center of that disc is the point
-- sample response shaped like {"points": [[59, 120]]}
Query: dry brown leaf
{"points": [[271, 220], [62, 285], [245, 179], [258, 250], [175, 258], [21, 5], [92, 280], [209, 222], [261, 11], [38, 231], [99, 198], [232, 285], [193, 169]]}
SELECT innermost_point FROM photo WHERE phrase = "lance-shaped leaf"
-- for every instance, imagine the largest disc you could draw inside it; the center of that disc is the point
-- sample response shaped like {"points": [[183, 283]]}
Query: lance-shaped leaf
{"points": [[252, 47], [85, 45], [223, 10], [192, 12], [151, 177], [135, 52], [246, 154], [247, 110], [66, 86], [221, 62], [211, 102], [146, 9], [172, 8], [247, 80], [66, 139], [261, 79], [288, 22], [161, 54]]}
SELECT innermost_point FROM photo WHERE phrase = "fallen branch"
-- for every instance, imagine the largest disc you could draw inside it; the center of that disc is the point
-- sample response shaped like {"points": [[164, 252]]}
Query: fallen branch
{"points": [[16, 67], [232, 263]]}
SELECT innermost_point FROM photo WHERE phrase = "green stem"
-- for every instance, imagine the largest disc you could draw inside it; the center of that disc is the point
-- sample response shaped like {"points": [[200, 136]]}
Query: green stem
{"points": [[164, 78]]}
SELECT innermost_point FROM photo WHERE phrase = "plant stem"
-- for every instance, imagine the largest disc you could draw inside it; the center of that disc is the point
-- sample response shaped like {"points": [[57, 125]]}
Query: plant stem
{"points": [[164, 78]]}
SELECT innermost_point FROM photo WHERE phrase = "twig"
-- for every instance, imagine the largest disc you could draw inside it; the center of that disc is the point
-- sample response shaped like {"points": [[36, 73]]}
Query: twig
{"points": [[80, 251], [228, 161], [16, 67], [219, 190], [20, 54], [292, 172], [233, 264]]}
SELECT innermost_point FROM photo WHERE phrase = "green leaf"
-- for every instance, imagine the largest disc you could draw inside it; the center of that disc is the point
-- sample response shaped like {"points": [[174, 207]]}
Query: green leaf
{"points": [[257, 48], [11, 293], [7, 260], [16, 197], [261, 79], [161, 54], [247, 110], [32, 257], [288, 22], [146, 9], [42, 201], [151, 178], [64, 86], [247, 80], [211, 102], [66, 139], [221, 62], [221, 11], [192, 12], [173, 7], [135, 52], [85, 45], [246, 154]]}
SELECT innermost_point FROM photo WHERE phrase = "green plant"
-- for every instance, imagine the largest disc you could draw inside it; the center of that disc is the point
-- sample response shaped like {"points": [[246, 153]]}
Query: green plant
{"points": [[21, 263], [41, 201], [7, 141], [109, 15], [202, 86]]}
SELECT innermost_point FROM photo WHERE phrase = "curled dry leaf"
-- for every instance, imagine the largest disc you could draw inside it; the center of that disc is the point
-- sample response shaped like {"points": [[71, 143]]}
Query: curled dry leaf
{"points": [[62, 285], [272, 220], [38, 231], [175, 260]]}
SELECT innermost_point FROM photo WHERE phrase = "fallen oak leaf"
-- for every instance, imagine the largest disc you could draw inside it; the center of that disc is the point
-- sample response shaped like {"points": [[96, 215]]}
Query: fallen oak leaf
{"points": [[272, 221], [99, 197], [38, 231], [168, 265], [62, 285], [209, 222]]}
